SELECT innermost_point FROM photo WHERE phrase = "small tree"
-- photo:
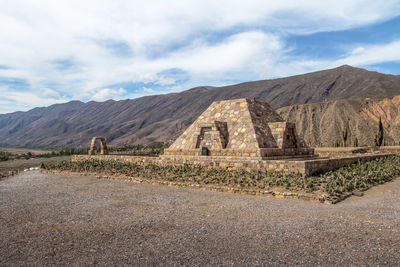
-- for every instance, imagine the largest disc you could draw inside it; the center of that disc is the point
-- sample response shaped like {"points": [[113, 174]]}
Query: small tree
{"points": [[379, 135], [344, 136]]}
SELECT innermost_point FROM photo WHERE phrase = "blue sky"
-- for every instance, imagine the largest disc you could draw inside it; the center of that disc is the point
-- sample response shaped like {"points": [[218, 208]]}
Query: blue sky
{"points": [[57, 51]]}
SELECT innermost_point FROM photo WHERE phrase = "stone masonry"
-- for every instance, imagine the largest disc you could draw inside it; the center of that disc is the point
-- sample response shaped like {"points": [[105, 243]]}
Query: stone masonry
{"points": [[240, 128], [237, 134], [93, 146], [296, 165]]}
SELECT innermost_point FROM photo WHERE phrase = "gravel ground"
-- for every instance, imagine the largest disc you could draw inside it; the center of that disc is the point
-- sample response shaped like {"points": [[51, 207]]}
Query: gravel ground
{"points": [[50, 219], [11, 165]]}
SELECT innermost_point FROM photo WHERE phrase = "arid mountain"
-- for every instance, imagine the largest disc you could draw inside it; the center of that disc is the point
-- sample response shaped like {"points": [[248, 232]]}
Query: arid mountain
{"points": [[323, 124], [162, 118]]}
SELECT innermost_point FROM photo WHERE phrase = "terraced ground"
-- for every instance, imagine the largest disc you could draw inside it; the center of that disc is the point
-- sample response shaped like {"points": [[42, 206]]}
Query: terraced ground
{"points": [[50, 219]]}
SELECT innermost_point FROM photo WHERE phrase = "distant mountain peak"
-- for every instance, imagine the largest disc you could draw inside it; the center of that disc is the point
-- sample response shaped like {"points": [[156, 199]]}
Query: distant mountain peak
{"points": [[346, 67]]}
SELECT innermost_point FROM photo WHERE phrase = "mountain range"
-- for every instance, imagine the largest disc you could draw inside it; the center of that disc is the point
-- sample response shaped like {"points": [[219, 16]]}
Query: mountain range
{"points": [[322, 104]]}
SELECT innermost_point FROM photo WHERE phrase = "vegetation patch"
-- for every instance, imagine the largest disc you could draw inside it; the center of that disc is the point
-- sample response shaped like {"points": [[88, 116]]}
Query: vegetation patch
{"points": [[5, 155], [153, 150], [332, 185]]}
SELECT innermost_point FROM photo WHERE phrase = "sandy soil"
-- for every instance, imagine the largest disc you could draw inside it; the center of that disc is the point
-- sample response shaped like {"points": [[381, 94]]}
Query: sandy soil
{"points": [[50, 219]]}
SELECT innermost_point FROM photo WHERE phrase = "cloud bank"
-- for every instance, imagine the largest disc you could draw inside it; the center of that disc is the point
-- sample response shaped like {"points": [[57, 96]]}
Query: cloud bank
{"points": [[54, 51]]}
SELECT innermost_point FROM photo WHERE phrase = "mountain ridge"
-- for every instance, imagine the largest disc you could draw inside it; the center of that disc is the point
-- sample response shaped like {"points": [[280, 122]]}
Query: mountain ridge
{"points": [[161, 118], [322, 124]]}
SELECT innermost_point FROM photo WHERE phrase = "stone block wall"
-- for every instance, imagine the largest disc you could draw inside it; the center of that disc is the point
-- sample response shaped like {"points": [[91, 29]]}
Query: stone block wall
{"points": [[278, 131], [270, 153], [215, 152], [93, 146], [239, 127], [302, 166], [235, 113]]}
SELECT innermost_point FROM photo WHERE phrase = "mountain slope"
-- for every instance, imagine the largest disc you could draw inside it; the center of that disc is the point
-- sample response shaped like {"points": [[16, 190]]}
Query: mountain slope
{"points": [[323, 123], [162, 118]]}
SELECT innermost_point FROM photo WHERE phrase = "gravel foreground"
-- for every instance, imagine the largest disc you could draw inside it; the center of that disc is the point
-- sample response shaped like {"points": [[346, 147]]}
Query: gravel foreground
{"points": [[48, 219]]}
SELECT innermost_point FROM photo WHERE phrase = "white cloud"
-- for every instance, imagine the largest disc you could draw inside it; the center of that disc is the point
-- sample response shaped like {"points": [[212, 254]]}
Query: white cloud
{"points": [[82, 48], [357, 50], [156, 79], [50, 94], [174, 89], [107, 93], [149, 90], [359, 56], [373, 54], [235, 53], [22, 100]]}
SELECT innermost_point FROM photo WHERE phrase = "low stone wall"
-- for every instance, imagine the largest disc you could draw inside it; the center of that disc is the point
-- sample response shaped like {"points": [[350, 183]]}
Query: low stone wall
{"points": [[271, 153], [340, 152], [327, 164], [303, 166], [390, 149], [255, 152]]}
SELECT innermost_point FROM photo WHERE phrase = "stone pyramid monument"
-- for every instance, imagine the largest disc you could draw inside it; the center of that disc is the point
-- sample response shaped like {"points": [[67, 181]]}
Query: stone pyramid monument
{"points": [[239, 128]]}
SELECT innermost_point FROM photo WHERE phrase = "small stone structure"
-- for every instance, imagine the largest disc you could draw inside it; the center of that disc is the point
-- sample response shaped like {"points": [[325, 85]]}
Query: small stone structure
{"points": [[240, 128], [93, 146]]}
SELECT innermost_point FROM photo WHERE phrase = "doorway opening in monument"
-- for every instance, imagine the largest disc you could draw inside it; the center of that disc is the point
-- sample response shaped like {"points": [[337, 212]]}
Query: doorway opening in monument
{"points": [[201, 136], [205, 151], [98, 146], [291, 141]]}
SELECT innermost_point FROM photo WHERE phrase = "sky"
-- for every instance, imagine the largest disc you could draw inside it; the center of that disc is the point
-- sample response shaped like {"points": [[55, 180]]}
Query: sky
{"points": [[95, 50]]}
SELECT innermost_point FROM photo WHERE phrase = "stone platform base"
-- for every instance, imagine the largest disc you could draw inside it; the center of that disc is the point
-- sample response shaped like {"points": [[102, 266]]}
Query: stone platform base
{"points": [[304, 166]]}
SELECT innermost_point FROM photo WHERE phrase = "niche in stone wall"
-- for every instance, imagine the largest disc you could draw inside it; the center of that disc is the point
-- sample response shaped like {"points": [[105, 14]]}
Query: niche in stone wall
{"points": [[213, 136], [290, 140], [222, 127], [200, 137]]}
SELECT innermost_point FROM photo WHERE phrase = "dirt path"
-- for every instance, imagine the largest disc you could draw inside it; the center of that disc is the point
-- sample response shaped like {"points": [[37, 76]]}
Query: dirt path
{"points": [[55, 219]]}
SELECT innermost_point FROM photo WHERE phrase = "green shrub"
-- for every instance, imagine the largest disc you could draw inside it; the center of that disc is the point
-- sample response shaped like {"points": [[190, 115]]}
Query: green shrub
{"points": [[64, 152], [4, 155], [359, 176]]}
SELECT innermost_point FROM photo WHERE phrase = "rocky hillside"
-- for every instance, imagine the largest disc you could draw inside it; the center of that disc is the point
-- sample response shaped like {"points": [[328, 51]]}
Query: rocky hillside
{"points": [[162, 118], [322, 124]]}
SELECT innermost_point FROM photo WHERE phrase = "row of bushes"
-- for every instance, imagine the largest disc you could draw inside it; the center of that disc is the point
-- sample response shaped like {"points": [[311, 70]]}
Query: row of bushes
{"points": [[361, 176], [64, 152], [185, 173], [4, 155], [357, 176]]}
